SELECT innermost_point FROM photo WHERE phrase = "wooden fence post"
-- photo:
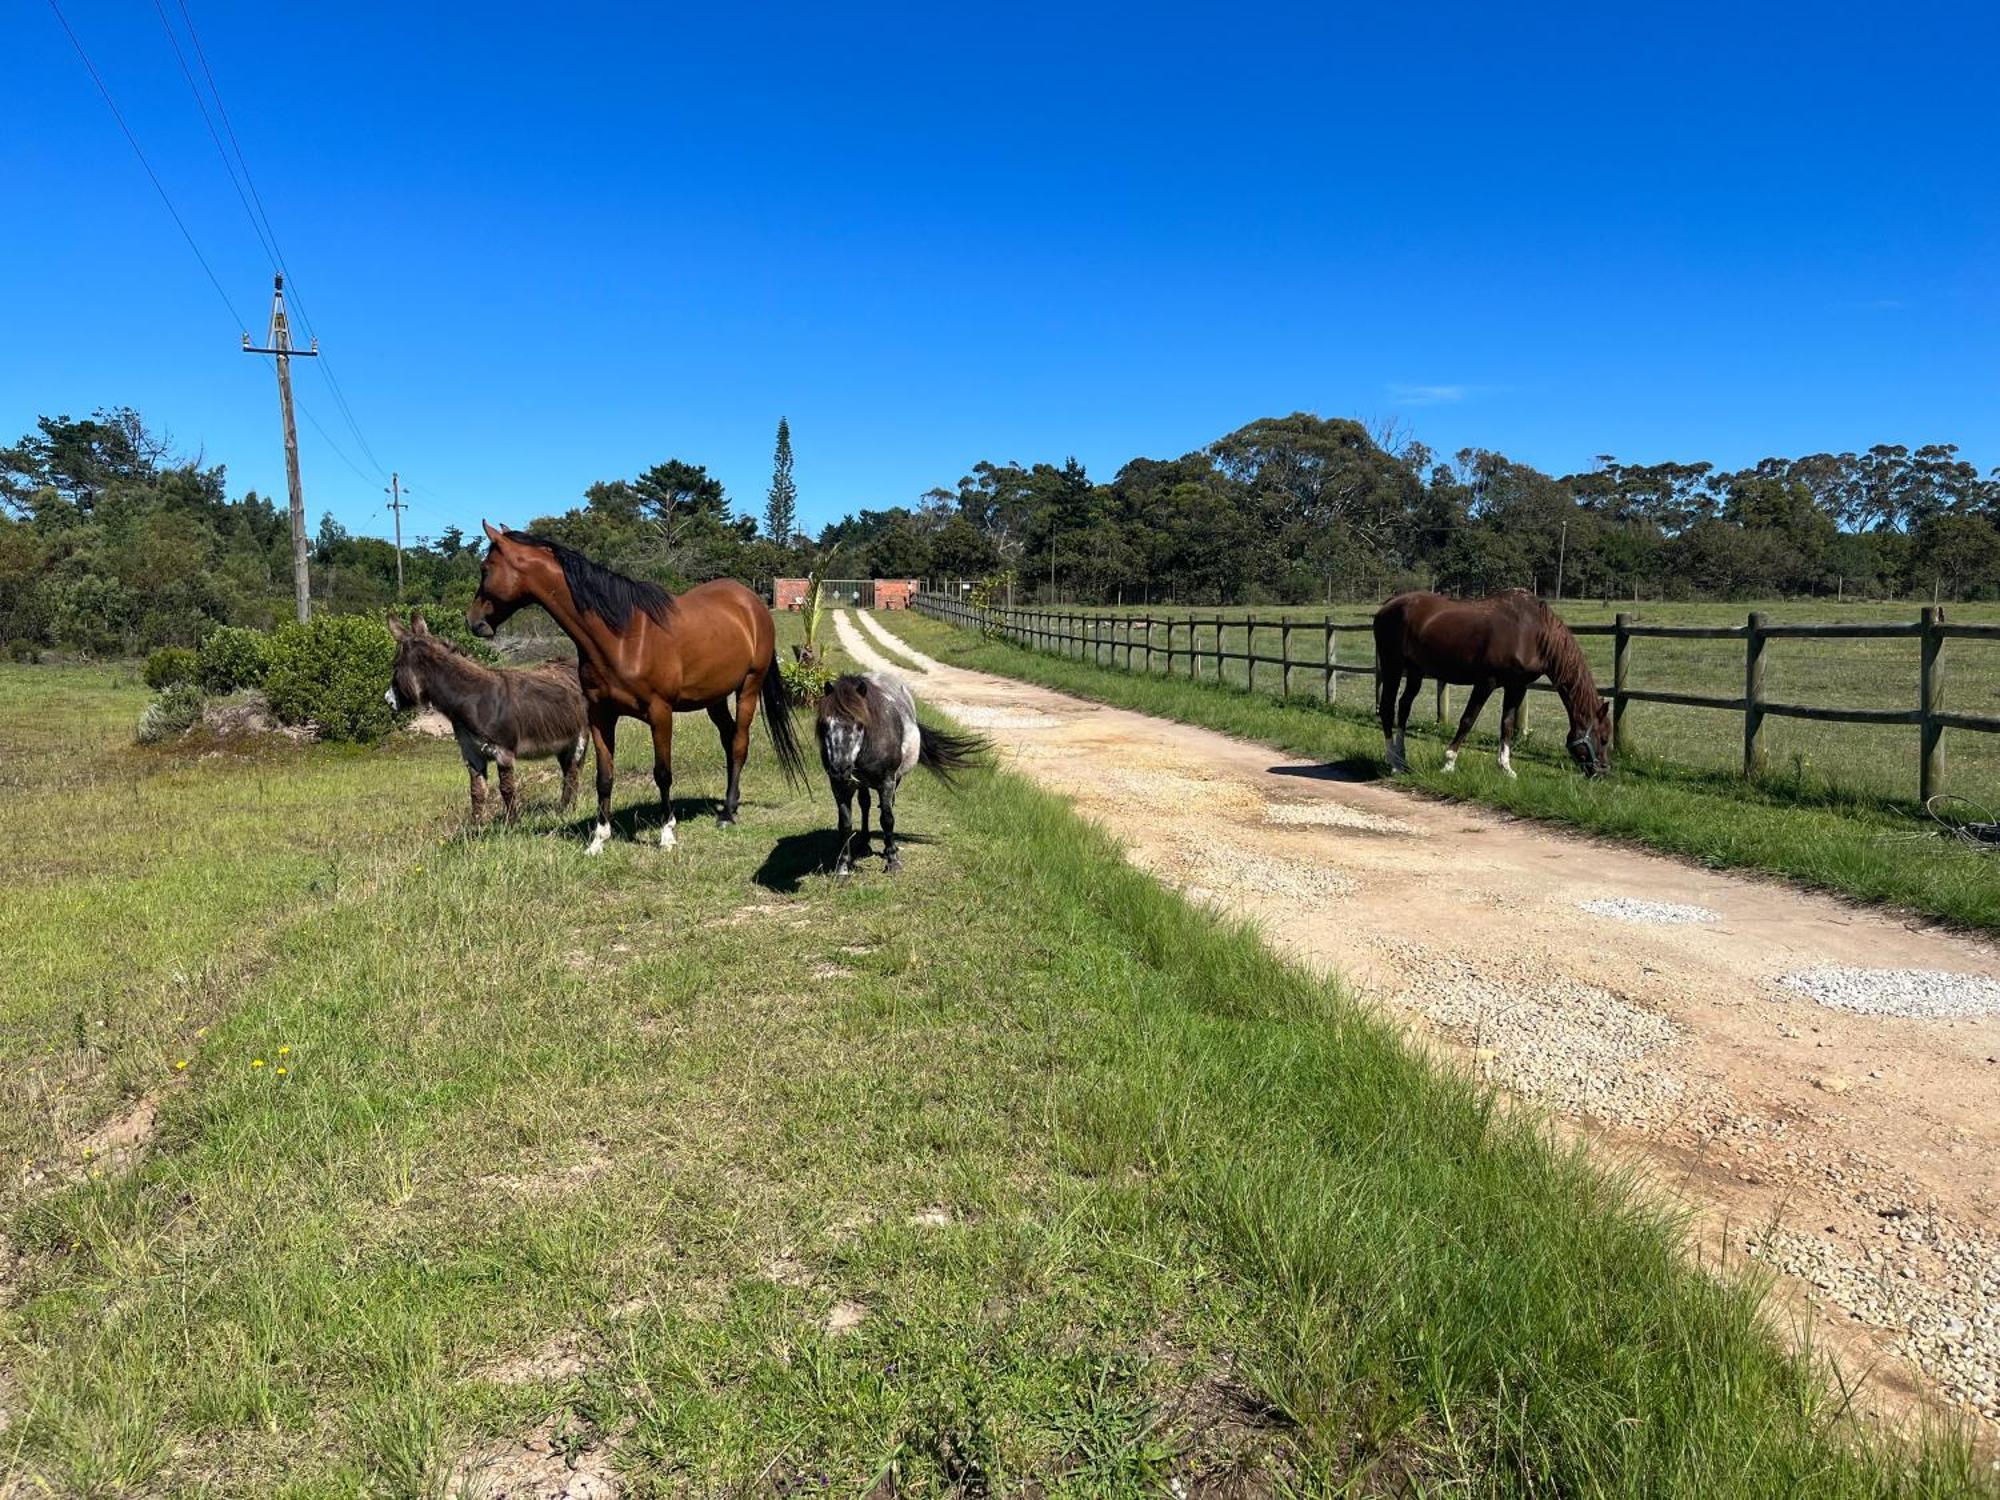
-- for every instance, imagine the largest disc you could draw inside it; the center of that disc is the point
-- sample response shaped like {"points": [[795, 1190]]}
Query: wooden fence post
{"points": [[1332, 659], [1285, 655], [1930, 702], [1753, 696], [1621, 661]]}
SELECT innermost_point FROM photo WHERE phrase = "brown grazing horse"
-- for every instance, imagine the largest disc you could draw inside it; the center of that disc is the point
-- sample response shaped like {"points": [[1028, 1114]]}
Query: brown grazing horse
{"points": [[643, 653], [1506, 641], [496, 714]]}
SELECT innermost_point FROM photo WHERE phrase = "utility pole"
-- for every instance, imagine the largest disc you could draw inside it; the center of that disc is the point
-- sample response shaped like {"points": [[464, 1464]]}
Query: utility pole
{"points": [[1562, 557], [395, 494], [281, 346]]}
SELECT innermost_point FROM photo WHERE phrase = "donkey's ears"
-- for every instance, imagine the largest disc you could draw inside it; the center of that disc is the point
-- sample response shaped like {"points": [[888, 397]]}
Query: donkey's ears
{"points": [[492, 534], [396, 628], [417, 625]]}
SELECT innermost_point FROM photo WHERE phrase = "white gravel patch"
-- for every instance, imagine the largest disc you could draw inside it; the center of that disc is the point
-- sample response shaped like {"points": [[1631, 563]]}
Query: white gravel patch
{"points": [[1934, 1287], [1332, 815], [1665, 913], [1912, 994], [1577, 1048], [976, 717]]}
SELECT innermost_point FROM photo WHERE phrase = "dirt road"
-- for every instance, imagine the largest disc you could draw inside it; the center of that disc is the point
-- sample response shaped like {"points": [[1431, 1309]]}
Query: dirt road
{"points": [[1674, 1013]]}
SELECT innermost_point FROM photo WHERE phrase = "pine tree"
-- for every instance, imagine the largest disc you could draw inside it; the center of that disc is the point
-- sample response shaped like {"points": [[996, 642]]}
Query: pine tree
{"points": [[781, 510]]}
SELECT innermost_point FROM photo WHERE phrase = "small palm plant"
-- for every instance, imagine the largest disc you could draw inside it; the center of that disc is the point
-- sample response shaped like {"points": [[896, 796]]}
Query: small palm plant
{"points": [[808, 673]]}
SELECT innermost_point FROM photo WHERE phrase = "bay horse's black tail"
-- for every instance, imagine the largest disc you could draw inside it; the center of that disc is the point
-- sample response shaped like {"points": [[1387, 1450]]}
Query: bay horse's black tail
{"points": [[941, 752], [777, 696]]}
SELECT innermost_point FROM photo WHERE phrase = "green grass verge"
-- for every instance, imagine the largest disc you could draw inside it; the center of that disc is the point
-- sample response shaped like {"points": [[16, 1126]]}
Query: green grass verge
{"points": [[592, 1149], [1850, 843]]}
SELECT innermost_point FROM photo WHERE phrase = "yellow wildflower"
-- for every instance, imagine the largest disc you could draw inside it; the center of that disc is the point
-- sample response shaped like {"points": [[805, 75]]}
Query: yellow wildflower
{"points": [[283, 1050], [256, 1062], [182, 1064], [283, 1071]]}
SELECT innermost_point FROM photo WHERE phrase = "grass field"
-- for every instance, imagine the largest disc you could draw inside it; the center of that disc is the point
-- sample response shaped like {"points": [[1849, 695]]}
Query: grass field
{"points": [[1879, 760], [1014, 1174], [1803, 828]]}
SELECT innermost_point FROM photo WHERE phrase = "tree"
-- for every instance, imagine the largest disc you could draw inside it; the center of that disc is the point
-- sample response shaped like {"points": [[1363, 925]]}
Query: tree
{"points": [[781, 510]]}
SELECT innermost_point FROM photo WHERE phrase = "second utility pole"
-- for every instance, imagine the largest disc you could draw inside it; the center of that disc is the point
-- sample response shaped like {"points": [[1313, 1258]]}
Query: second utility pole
{"points": [[281, 346], [397, 507]]}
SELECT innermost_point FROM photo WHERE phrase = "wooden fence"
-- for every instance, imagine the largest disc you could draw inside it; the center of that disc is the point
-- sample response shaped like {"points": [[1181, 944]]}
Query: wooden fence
{"points": [[1145, 644]]}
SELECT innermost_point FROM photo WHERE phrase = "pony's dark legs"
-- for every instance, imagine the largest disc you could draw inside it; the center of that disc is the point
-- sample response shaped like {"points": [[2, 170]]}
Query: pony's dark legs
{"points": [[1510, 722], [735, 746], [604, 737], [843, 797], [890, 860], [663, 769], [864, 820], [1474, 702]]}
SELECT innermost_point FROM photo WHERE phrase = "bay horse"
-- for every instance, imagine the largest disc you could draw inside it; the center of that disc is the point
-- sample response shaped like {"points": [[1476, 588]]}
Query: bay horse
{"points": [[869, 737], [497, 714], [644, 653], [1506, 641]]}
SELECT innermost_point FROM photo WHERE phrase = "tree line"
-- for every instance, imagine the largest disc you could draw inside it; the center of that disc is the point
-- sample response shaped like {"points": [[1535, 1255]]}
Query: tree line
{"points": [[110, 541]]}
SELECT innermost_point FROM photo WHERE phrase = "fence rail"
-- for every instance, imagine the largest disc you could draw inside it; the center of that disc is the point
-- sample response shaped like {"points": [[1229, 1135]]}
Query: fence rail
{"points": [[1158, 646]]}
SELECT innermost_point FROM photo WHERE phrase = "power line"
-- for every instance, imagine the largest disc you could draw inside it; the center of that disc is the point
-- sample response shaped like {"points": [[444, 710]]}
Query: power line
{"points": [[267, 232], [173, 40], [158, 186]]}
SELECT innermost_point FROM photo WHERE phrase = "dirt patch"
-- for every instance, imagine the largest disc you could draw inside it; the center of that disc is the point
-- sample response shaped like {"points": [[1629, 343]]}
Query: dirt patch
{"points": [[551, 1183], [843, 1318], [547, 1465], [559, 1359]]}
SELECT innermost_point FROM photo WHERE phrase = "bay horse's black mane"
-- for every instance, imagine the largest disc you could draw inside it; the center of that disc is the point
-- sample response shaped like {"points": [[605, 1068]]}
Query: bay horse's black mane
{"points": [[597, 590]]}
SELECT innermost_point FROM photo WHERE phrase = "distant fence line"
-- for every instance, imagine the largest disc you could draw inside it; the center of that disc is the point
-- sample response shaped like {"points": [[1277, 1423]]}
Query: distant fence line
{"points": [[1132, 643]]}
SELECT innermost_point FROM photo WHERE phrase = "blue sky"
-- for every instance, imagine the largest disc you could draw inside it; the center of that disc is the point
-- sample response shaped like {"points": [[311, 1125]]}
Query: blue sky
{"points": [[544, 247]]}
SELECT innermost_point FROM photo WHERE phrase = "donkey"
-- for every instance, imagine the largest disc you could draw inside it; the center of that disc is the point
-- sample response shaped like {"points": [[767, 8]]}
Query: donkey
{"points": [[496, 714], [1506, 641], [869, 738]]}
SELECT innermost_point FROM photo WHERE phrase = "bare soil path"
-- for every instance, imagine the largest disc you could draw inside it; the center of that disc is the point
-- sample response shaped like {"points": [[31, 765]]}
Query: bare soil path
{"points": [[1856, 1154]]}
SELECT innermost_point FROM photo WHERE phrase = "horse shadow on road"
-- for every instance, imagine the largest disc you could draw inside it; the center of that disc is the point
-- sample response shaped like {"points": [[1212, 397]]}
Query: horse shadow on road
{"points": [[1347, 768]]}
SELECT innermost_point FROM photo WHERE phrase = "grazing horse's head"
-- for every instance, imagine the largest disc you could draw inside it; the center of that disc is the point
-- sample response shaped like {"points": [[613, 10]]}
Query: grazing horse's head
{"points": [[503, 585], [406, 680], [1590, 740]]}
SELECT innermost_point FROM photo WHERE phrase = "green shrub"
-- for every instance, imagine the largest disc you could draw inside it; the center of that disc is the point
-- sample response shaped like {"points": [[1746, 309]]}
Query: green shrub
{"points": [[23, 650], [808, 680], [168, 665], [175, 711], [232, 659], [333, 672]]}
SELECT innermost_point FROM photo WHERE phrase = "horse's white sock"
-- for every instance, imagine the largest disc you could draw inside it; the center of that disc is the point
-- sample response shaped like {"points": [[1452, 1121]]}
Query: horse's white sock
{"points": [[667, 834], [1506, 760], [600, 836], [1451, 760]]}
